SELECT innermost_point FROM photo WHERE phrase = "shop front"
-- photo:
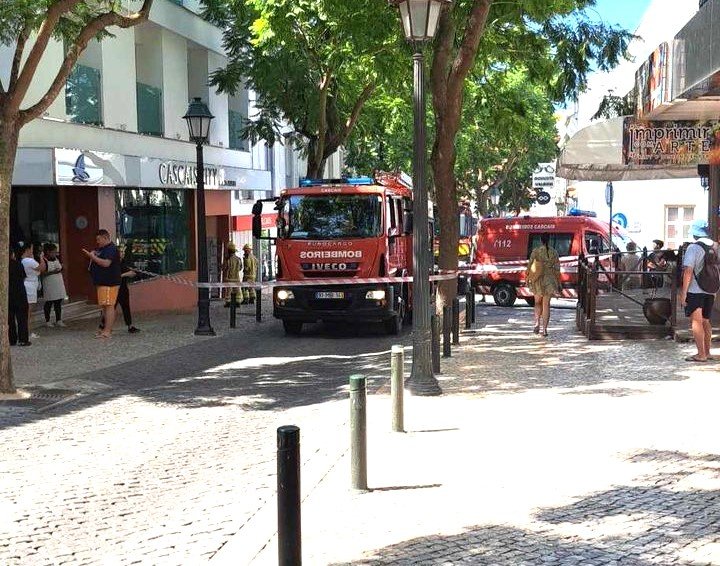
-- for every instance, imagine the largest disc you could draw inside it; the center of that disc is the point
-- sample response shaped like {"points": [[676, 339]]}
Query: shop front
{"points": [[147, 204]]}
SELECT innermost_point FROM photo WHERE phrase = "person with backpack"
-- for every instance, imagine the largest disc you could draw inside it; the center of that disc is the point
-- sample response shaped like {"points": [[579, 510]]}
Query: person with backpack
{"points": [[543, 280], [700, 283]]}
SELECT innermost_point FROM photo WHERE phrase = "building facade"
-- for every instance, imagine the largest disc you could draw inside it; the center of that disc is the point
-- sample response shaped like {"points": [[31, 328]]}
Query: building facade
{"points": [[112, 151]]}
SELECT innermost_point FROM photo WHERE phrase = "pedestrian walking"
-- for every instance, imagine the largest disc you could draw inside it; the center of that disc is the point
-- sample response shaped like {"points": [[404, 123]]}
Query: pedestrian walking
{"points": [[232, 268], [249, 274], [695, 294], [543, 279], [33, 269], [53, 286], [105, 272], [18, 332]]}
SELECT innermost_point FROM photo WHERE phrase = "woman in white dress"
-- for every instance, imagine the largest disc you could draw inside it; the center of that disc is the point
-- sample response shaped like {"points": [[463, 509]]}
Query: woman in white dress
{"points": [[53, 286], [33, 269]]}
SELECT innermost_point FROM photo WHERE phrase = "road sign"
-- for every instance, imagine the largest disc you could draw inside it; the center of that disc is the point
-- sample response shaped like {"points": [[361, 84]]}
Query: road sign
{"points": [[609, 193], [543, 197], [544, 176], [620, 219]]}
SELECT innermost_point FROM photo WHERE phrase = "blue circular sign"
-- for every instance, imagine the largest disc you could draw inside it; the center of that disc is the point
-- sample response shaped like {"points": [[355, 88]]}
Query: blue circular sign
{"points": [[620, 219]]}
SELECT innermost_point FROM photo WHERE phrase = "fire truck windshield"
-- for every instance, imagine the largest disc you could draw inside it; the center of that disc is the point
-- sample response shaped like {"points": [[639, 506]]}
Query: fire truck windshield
{"points": [[329, 217]]}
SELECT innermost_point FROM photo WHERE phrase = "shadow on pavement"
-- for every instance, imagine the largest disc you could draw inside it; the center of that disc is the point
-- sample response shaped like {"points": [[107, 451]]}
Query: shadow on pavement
{"points": [[636, 525], [275, 372]]}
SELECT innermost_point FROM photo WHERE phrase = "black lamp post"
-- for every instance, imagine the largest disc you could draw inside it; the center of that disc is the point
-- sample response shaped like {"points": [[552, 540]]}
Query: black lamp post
{"points": [[495, 200], [198, 119], [420, 21]]}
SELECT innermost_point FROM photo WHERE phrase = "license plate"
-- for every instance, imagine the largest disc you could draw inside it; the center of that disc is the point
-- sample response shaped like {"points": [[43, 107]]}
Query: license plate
{"points": [[329, 295]]}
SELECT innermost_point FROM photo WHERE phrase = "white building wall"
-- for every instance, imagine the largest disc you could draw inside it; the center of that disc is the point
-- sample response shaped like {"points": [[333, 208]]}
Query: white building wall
{"points": [[44, 76], [119, 80], [175, 85], [218, 104]]}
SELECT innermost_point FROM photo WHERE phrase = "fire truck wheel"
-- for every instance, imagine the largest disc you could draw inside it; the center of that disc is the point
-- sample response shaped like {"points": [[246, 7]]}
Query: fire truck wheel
{"points": [[292, 327], [530, 301], [504, 295], [393, 326]]}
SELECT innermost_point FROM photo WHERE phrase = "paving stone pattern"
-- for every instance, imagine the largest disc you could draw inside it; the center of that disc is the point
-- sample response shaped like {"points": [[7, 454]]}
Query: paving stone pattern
{"points": [[541, 451]]}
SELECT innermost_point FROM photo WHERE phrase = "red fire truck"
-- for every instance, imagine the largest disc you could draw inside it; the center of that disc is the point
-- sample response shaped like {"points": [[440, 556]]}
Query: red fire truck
{"points": [[339, 228]]}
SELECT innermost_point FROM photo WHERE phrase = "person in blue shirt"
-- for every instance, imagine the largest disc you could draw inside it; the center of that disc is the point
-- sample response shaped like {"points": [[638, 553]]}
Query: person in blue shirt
{"points": [[698, 303], [106, 275]]}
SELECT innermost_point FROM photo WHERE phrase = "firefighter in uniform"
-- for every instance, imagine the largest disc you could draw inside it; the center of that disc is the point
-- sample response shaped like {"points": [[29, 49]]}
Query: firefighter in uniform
{"points": [[232, 268], [249, 274]]}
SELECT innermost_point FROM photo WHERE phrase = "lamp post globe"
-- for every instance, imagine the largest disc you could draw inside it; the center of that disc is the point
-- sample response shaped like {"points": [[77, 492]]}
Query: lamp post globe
{"points": [[198, 118], [495, 199], [420, 20]]}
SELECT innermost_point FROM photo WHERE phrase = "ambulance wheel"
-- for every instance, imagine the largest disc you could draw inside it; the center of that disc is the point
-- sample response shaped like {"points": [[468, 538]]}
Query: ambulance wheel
{"points": [[504, 295], [292, 327], [530, 301]]}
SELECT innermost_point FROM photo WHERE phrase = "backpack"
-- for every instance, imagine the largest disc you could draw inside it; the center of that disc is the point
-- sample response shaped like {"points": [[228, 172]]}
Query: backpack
{"points": [[709, 276]]}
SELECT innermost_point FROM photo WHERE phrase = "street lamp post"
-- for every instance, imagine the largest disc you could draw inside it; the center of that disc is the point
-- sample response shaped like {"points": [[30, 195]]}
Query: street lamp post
{"points": [[495, 200], [198, 119], [420, 21]]}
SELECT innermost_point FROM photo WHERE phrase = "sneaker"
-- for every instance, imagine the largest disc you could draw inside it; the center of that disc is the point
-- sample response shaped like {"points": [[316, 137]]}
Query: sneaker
{"points": [[33, 335], [133, 330], [50, 324], [61, 324]]}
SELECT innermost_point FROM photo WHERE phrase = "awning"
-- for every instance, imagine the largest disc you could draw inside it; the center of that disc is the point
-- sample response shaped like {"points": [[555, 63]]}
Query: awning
{"points": [[595, 153]]}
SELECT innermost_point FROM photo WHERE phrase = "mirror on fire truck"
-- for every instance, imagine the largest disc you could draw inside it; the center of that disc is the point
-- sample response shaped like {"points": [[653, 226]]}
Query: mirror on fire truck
{"points": [[407, 222]]}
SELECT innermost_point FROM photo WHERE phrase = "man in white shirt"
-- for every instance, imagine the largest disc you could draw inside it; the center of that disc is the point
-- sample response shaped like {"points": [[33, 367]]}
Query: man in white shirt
{"points": [[698, 303]]}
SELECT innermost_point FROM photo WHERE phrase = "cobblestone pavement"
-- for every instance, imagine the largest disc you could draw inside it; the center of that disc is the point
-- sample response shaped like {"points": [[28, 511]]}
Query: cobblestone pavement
{"points": [[541, 451]]}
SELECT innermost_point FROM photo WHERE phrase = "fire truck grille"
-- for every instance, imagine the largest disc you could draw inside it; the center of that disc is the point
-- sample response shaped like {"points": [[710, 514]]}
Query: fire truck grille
{"points": [[329, 304], [328, 274]]}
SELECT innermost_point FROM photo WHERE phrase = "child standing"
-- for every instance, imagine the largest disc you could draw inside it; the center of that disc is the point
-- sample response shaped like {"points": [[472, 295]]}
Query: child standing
{"points": [[53, 286]]}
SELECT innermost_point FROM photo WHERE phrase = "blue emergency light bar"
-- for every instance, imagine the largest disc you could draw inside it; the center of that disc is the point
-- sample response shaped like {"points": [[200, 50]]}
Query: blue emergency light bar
{"points": [[305, 182], [578, 212]]}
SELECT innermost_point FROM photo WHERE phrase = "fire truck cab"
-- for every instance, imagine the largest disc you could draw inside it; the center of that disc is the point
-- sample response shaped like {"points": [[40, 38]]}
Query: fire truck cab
{"points": [[357, 228]]}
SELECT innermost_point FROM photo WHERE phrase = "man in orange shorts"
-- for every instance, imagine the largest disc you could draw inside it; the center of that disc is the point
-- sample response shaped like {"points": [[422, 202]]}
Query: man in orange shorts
{"points": [[105, 272]]}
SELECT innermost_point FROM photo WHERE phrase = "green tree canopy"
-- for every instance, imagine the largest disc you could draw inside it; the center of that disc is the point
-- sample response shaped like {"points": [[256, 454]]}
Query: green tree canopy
{"points": [[313, 64]]}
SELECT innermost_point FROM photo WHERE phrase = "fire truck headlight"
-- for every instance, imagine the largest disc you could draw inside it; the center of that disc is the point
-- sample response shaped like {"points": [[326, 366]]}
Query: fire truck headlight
{"points": [[377, 295], [285, 295]]}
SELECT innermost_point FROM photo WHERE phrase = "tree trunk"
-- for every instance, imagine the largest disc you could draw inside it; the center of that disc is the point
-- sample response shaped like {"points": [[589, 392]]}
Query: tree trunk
{"points": [[443, 167], [315, 167], [9, 131]]}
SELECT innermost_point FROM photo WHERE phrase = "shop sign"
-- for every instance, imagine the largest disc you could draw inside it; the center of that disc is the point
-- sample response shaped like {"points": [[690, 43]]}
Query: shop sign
{"points": [[91, 168], [185, 175], [544, 176], [678, 143], [244, 223], [652, 81]]}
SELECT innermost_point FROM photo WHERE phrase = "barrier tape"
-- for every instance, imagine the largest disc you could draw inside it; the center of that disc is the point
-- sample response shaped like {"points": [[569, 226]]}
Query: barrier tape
{"points": [[443, 276]]}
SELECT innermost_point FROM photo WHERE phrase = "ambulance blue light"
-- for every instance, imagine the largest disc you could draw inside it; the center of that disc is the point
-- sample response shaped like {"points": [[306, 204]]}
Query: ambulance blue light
{"points": [[305, 182], [578, 212]]}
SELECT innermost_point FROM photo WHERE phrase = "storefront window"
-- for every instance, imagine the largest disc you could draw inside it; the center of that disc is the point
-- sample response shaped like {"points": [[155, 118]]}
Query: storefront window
{"points": [[153, 226], [83, 95], [149, 110], [34, 215]]}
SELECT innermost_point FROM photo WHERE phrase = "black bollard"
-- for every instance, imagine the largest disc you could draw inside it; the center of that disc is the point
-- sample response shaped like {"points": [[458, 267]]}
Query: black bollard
{"points": [[233, 307], [456, 321], [468, 309], [258, 304], [435, 329], [447, 330], [288, 496], [473, 296]]}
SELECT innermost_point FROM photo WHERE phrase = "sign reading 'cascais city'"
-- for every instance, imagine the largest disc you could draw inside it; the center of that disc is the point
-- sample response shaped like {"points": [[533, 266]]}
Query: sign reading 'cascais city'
{"points": [[185, 175], [679, 143]]}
